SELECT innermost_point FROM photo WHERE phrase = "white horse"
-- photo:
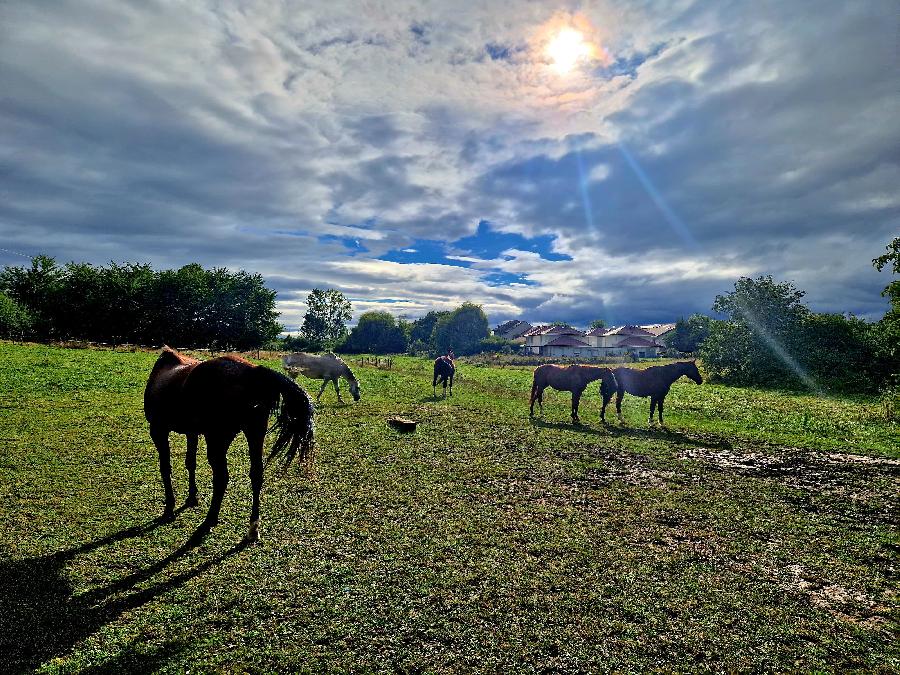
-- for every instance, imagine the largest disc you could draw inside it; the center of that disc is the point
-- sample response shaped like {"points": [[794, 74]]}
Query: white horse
{"points": [[327, 367]]}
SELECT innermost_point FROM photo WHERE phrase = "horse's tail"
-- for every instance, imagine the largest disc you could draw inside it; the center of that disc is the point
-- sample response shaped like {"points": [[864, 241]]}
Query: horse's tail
{"points": [[293, 416], [609, 385]]}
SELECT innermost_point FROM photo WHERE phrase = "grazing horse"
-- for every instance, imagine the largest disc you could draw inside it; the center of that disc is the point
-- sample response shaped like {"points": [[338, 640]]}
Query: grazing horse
{"points": [[571, 378], [653, 382], [443, 371], [327, 368], [220, 398]]}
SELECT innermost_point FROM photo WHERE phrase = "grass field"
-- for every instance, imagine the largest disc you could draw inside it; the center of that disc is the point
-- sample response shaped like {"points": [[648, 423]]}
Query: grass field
{"points": [[760, 532]]}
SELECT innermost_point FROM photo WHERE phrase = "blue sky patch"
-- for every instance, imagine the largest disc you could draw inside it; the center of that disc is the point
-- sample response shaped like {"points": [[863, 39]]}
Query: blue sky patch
{"points": [[628, 65], [423, 251], [488, 243], [352, 244], [506, 278], [497, 52]]}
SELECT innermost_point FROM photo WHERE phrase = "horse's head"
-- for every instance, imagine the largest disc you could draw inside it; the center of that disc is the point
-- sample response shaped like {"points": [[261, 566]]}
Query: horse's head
{"points": [[608, 382], [690, 369], [354, 388]]}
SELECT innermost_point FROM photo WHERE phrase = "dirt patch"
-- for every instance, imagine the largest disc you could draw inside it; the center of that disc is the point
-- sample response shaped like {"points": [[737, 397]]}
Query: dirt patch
{"points": [[846, 474], [844, 603], [632, 469]]}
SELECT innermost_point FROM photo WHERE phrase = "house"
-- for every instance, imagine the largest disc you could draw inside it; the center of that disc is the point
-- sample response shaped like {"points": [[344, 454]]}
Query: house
{"points": [[556, 340], [661, 331], [563, 341], [512, 330]]}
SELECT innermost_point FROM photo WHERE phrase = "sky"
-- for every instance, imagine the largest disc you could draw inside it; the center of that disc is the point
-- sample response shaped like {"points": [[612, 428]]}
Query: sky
{"points": [[416, 155]]}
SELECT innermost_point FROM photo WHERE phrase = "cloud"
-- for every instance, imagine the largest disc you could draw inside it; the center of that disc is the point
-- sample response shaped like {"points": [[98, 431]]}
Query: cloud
{"points": [[310, 142]]}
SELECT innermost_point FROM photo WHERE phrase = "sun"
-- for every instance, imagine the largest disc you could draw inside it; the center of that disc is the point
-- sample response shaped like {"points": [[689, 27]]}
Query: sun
{"points": [[566, 49]]}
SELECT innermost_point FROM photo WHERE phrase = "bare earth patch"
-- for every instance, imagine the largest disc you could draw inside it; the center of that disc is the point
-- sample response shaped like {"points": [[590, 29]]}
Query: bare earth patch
{"points": [[851, 476]]}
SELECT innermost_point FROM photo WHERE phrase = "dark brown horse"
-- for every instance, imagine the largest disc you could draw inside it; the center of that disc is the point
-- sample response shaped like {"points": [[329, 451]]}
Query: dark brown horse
{"points": [[443, 371], [654, 382], [219, 399], [572, 378]]}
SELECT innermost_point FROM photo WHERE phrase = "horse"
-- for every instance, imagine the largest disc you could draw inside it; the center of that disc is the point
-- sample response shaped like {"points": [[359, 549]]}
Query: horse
{"points": [[654, 382], [220, 398], [327, 368], [572, 378], [443, 371]]}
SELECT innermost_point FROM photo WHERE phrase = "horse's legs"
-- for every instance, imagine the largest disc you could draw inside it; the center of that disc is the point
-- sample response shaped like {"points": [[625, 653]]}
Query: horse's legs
{"points": [[661, 399], [576, 397], [216, 455], [451, 384], [652, 409], [337, 390], [190, 463], [255, 439], [160, 438], [620, 394], [606, 400], [321, 391]]}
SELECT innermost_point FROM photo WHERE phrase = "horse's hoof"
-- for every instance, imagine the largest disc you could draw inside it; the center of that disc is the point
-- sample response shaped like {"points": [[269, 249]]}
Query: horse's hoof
{"points": [[191, 501], [253, 533]]}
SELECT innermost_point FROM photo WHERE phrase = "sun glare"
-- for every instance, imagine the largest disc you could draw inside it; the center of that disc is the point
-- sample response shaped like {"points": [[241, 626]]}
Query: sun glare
{"points": [[566, 49]]}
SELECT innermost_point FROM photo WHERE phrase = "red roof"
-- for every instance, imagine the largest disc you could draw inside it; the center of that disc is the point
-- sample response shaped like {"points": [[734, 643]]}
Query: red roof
{"points": [[628, 330], [566, 341], [637, 341]]}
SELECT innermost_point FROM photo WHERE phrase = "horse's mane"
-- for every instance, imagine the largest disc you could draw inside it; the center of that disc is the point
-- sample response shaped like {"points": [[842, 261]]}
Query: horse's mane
{"points": [[171, 357]]}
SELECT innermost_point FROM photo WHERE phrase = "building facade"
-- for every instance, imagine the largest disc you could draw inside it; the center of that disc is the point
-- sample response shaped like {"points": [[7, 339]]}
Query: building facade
{"points": [[564, 341]]}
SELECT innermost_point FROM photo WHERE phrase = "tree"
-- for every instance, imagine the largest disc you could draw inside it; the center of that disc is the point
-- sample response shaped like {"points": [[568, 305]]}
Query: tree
{"points": [[892, 257], [761, 339], [462, 329], [421, 335], [597, 323], [884, 336], [325, 321], [36, 289], [690, 333], [376, 333]]}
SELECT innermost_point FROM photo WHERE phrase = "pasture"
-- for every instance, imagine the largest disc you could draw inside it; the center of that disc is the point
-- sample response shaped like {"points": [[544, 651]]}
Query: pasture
{"points": [[759, 532]]}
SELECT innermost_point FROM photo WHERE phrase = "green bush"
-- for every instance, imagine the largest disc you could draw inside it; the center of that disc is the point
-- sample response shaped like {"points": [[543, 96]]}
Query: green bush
{"points": [[15, 322]]}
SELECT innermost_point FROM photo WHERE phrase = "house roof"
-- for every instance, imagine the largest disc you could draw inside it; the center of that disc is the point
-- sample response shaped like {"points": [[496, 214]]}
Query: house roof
{"points": [[637, 341], [514, 323], [657, 329], [627, 330], [552, 329], [566, 341]]}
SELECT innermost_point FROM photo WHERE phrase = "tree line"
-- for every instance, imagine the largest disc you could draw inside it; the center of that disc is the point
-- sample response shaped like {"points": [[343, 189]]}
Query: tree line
{"points": [[770, 338], [464, 329], [135, 304]]}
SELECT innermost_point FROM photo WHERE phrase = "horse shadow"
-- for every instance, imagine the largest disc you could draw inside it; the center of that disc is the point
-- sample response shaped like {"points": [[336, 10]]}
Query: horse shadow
{"points": [[42, 618], [665, 433], [579, 427]]}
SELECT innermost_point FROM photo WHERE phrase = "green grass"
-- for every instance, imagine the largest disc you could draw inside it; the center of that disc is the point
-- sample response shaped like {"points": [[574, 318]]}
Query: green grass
{"points": [[742, 538]]}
